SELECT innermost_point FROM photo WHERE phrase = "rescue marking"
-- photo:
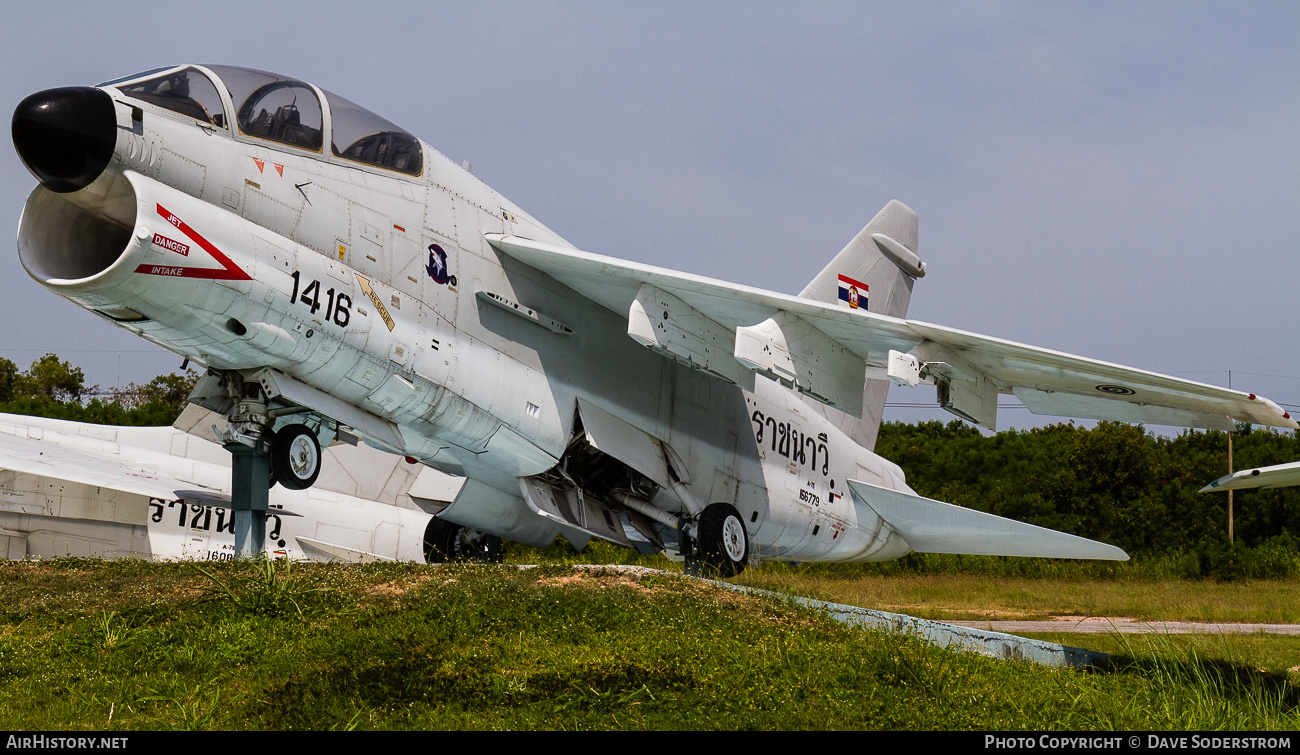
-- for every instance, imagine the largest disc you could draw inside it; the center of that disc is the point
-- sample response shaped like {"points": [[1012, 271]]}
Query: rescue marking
{"points": [[261, 164], [279, 169], [228, 270], [374, 299]]}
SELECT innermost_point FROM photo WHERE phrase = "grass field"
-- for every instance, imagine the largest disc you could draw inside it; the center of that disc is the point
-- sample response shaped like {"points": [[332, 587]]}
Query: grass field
{"points": [[961, 596], [91, 645]]}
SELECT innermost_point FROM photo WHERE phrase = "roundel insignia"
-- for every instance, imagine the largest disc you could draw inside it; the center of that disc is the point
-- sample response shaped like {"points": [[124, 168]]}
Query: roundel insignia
{"points": [[1116, 390], [437, 267]]}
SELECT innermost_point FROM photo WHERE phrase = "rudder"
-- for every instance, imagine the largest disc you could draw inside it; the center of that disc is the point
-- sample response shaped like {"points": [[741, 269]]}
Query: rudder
{"points": [[882, 259]]}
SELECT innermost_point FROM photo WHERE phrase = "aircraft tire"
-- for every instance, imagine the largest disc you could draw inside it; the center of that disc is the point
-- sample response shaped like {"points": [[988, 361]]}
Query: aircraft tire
{"points": [[295, 457], [722, 540], [446, 541]]}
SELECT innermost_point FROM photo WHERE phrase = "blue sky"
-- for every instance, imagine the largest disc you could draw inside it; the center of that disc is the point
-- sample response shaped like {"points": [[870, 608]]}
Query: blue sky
{"points": [[1115, 180]]}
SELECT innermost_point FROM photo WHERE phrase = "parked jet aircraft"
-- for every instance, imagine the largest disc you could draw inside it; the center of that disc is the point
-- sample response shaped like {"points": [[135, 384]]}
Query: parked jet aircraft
{"points": [[74, 489], [340, 278]]}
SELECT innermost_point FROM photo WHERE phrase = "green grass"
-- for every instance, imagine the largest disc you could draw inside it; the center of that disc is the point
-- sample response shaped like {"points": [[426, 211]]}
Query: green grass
{"points": [[1277, 654], [963, 596], [126, 645]]}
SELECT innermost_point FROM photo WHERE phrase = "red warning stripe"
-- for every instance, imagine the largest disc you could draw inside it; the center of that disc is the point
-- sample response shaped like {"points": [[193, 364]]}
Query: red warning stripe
{"points": [[229, 270]]}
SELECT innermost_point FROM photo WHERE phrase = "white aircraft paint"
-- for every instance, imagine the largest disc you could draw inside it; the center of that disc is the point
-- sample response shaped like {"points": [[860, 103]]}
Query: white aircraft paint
{"points": [[332, 270]]}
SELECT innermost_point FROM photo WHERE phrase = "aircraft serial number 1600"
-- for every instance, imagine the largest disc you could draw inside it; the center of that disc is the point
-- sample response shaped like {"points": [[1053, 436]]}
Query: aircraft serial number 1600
{"points": [[340, 279]]}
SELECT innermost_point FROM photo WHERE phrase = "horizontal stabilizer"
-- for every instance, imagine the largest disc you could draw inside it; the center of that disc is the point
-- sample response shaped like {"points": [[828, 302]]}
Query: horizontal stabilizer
{"points": [[332, 552], [1278, 476], [931, 526]]}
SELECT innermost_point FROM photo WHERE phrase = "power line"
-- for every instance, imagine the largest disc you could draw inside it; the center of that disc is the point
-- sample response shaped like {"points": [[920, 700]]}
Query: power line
{"points": [[903, 405], [93, 351]]}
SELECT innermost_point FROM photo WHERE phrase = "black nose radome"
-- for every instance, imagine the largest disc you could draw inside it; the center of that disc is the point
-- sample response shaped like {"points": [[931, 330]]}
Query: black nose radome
{"points": [[66, 136]]}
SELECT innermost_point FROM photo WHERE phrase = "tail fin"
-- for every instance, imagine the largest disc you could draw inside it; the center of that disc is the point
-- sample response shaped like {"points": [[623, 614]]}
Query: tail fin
{"points": [[879, 265]]}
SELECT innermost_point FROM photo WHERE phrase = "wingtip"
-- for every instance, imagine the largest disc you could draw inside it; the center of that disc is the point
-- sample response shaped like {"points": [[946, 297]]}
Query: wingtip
{"points": [[1278, 417]]}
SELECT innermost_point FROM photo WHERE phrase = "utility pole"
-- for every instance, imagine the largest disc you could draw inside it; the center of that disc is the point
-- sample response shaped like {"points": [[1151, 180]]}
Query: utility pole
{"points": [[1230, 540]]}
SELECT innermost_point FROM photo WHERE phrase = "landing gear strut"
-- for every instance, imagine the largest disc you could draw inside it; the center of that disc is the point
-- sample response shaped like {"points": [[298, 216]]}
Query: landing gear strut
{"points": [[250, 467], [259, 458]]}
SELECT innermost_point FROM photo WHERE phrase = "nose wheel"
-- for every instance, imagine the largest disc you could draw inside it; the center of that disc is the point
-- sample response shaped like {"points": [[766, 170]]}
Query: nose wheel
{"points": [[295, 457]]}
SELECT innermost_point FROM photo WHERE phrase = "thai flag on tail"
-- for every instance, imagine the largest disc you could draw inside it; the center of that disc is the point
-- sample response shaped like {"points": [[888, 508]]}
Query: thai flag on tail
{"points": [[853, 294]]}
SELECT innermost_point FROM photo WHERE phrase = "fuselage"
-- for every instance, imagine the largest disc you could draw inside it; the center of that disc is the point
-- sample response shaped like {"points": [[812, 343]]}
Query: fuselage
{"points": [[375, 285]]}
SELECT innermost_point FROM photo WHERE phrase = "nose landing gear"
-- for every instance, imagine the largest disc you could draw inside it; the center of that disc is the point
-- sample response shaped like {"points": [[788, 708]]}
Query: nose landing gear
{"points": [[290, 456], [295, 457]]}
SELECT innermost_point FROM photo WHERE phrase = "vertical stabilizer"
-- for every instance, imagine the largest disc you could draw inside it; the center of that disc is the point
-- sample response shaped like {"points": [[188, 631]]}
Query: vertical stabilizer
{"points": [[876, 270]]}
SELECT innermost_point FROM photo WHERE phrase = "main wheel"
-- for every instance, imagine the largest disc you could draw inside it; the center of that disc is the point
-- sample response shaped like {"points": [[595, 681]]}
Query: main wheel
{"points": [[446, 541], [295, 457], [722, 540]]}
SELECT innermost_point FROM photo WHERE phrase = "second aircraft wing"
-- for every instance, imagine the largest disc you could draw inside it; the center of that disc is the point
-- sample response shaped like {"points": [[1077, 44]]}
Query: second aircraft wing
{"points": [[1277, 476]]}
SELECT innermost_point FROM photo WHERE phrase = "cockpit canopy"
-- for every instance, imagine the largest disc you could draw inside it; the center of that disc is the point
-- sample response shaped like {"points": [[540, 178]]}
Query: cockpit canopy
{"points": [[278, 109]]}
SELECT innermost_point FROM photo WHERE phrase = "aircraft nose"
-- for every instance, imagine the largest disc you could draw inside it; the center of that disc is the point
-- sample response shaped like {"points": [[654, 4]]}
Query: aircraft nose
{"points": [[66, 136]]}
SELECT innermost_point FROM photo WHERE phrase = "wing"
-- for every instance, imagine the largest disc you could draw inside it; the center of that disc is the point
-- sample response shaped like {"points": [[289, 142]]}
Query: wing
{"points": [[1277, 476], [824, 350], [58, 464]]}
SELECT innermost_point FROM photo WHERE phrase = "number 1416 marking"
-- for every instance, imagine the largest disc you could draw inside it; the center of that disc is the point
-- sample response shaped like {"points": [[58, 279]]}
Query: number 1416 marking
{"points": [[338, 308]]}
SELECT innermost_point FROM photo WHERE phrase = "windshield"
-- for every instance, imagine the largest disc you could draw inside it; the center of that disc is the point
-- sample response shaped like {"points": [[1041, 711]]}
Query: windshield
{"points": [[186, 91], [273, 107], [364, 137]]}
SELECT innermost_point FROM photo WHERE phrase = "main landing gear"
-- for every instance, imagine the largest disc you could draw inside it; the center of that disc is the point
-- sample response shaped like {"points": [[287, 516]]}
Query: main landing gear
{"points": [[445, 541], [721, 543]]}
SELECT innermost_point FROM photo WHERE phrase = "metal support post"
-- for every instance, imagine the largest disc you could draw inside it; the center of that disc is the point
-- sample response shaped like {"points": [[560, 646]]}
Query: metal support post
{"points": [[249, 491]]}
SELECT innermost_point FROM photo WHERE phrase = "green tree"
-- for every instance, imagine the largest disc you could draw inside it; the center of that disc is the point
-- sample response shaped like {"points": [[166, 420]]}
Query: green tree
{"points": [[10, 380], [54, 379], [165, 392]]}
